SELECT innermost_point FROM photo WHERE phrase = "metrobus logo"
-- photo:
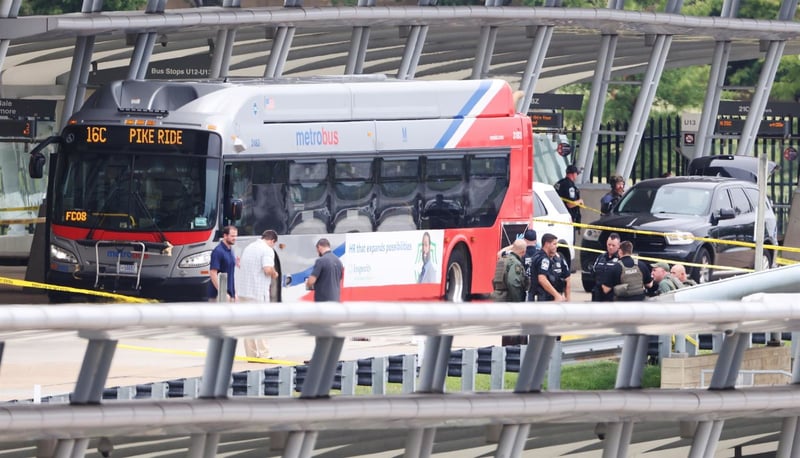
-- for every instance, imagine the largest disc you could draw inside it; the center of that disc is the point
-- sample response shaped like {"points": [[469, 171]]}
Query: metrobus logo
{"points": [[125, 254], [313, 137]]}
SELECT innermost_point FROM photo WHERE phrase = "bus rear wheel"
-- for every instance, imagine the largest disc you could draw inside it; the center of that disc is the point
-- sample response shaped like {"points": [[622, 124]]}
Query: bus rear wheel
{"points": [[459, 276]]}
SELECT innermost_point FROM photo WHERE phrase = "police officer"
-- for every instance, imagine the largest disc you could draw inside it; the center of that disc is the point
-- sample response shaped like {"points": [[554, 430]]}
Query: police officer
{"points": [[608, 201], [531, 252], [629, 278], [663, 281], [510, 281], [602, 264], [517, 282], [570, 193], [551, 272]]}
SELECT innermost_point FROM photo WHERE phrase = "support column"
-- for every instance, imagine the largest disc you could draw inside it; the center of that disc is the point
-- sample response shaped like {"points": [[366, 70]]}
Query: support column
{"points": [[318, 382], [765, 80], [359, 39], [644, 101], [789, 442], [413, 49], [716, 80], [88, 388], [596, 104], [281, 44], [8, 9], [629, 375], [541, 43], [486, 42], [432, 375], [532, 370], [724, 377]]}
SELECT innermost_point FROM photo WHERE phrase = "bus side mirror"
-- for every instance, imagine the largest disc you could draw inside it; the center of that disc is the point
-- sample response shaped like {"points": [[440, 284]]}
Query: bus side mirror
{"points": [[37, 160], [36, 165], [233, 210]]}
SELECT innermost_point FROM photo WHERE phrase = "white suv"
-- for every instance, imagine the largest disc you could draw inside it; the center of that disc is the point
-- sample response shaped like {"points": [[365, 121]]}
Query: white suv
{"points": [[551, 215]]}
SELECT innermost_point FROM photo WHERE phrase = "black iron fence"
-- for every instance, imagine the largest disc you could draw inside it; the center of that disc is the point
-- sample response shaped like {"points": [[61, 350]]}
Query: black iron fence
{"points": [[660, 153]]}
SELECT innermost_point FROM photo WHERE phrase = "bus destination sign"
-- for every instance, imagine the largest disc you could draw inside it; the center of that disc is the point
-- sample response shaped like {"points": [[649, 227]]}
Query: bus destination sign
{"points": [[138, 137]]}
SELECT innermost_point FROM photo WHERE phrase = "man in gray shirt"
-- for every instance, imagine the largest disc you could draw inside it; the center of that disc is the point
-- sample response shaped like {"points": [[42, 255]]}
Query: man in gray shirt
{"points": [[326, 276]]}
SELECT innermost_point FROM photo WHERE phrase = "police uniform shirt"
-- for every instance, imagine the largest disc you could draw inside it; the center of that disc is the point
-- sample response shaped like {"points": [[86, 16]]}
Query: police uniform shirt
{"points": [[602, 264], [566, 189], [561, 269], [531, 253], [556, 270]]}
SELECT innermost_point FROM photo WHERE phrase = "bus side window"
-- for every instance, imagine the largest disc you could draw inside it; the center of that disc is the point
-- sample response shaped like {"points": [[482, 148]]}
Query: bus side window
{"points": [[488, 183], [354, 196], [444, 193], [398, 200], [308, 199]]}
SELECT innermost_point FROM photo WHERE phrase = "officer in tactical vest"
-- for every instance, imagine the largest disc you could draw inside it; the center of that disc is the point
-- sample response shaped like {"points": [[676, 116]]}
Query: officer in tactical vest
{"points": [[531, 252], [629, 278], [510, 281], [552, 272]]}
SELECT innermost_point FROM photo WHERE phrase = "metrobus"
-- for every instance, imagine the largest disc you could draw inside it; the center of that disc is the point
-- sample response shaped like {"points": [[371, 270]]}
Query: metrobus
{"points": [[146, 174]]}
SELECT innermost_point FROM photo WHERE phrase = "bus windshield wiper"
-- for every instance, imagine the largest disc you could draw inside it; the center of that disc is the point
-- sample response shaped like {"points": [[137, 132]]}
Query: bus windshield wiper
{"points": [[140, 201], [101, 212]]}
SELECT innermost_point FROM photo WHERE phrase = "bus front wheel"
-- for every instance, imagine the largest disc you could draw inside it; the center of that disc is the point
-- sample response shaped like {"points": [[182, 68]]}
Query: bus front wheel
{"points": [[459, 276]]}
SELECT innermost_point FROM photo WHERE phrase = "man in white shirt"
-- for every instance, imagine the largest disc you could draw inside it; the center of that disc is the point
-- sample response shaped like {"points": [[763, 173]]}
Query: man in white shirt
{"points": [[258, 271]]}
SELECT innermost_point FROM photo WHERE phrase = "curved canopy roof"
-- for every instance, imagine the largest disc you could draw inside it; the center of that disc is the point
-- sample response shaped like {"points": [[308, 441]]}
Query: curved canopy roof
{"points": [[42, 47]]}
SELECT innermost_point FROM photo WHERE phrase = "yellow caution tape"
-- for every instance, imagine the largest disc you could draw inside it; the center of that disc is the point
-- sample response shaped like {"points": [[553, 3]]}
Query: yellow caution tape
{"points": [[662, 234], [784, 261], [67, 289], [203, 354], [19, 209], [581, 205], [687, 264], [22, 221]]}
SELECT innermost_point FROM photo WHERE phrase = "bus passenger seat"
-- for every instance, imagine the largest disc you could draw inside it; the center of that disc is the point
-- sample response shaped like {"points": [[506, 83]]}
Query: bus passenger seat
{"points": [[352, 220], [397, 219], [308, 224]]}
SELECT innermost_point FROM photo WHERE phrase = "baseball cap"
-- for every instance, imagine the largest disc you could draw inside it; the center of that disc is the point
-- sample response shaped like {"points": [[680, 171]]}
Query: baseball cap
{"points": [[572, 169], [661, 264], [530, 235]]}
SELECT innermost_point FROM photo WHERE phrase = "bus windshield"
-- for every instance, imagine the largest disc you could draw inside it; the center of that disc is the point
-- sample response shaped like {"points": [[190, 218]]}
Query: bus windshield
{"points": [[137, 191]]}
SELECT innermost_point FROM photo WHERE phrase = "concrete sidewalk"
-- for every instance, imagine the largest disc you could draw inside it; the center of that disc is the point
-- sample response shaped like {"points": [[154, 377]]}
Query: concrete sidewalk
{"points": [[54, 365]]}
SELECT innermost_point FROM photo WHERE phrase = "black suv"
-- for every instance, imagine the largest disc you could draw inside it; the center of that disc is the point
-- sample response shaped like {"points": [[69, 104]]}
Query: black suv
{"points": [[678, 209]]}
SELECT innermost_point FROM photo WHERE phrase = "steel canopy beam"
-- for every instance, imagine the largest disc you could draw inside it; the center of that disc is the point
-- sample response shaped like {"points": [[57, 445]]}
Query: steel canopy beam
{"points": [[602, 20]]}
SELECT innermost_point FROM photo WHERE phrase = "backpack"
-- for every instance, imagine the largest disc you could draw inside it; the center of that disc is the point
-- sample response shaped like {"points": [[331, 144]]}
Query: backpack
{"points": [[630, 282], [500, 293]]}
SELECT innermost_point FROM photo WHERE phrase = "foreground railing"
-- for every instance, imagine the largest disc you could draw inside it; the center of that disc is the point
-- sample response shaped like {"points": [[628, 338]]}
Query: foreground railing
{"points": [[89, 415]]}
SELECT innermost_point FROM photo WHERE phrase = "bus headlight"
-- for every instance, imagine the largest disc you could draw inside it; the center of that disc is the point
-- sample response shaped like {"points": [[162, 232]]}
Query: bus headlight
{"points": [[196, 260], [679, 238], [59, 254], [592, 235]]}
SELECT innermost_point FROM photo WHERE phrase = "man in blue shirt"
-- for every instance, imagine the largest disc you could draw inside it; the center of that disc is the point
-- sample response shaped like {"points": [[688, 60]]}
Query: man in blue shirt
{"points": [[223, 259]]}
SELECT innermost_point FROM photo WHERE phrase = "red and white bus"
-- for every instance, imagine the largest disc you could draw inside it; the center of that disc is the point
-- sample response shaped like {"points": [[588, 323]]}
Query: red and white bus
{"points": [[146, 174]]}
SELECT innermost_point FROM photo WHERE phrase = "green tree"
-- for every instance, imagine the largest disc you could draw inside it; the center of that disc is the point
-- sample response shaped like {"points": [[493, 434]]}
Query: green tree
{"points": [[47, 7]]}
